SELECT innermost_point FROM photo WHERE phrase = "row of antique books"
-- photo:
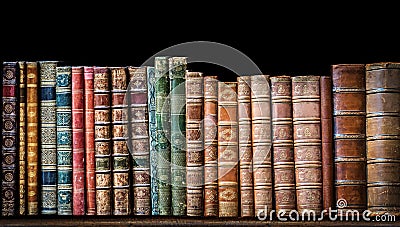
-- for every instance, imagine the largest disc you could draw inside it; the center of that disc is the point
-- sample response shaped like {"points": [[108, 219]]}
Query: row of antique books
{"points": [[163, 140]]}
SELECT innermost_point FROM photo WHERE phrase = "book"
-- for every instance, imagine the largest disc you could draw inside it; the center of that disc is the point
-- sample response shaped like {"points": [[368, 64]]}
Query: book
{"points": [[10, 139], [102, 139], [306, 105], [48, 136], [245, 147], [194, 144], [210, 131], [22, 138], [64, 139], [120, 153], [349, 117], [177, 70], [228, 154], [90, 161], [282, 145], [262, 144], [78, 140], [383, 137], [32, 124]]}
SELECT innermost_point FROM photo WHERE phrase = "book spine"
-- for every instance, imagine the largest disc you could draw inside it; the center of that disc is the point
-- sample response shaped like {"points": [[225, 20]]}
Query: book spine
{"points": [[177, 70], [90, 160], [349, 135], [163, 132], [307, 143], [102, 140], [22, 138], [10, 130], [151, 101], [282, 142], [32, 121], [210, 132], [48, 136], [262, 144], [383, 138], [140, 143], [64, 139], [245, 147], [78, 141], [228, 154], [120, 152], [194, 144]]}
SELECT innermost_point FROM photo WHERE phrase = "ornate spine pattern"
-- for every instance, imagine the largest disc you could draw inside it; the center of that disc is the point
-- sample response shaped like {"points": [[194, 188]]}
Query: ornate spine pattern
{"points": [[22, 138], [228, 156], [90, 160], [349, 135], [245, 147], [78, 141], [102, 140], [48, 136], [151, 101], [282, 142], [163, 124], [10, 130], [32, 110], [64, 140], [194, 144], [210, 132], [383, 137], [177, 70], [139, 119], [307, 143], [262, 143], [120, 152]]}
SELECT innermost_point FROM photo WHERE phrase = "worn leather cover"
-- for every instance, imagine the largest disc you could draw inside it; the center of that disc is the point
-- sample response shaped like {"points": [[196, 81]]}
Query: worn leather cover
{"points": [[307, 142], [22, 138], [194, 144], [282, 142], [210, 146], [383, 137], [349, 135]]}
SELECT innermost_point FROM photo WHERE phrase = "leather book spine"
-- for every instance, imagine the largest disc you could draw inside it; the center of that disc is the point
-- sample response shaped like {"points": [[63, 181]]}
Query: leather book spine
{"points": [[328, 192], [348, 81], [163, 134], [140, 143], [64, 140], [210, 131], [306, 104], [102, 139], [22, 138], [10, 138], [32, 122], [90, 161], [262, 144], [78, 141], [177, 70], [282, 143], [383, 138], [120, 152], [245, 147], [194, 144], [228, 154], [48, 136]]}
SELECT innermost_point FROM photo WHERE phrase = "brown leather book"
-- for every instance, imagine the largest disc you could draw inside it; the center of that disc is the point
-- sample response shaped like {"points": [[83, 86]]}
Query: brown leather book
{"points": [[210, 146], [383, 137], [307, 143], [349, 136], [228, 155], [262, 144], [22, 138], [245, 147], [282, 142], [194, 144]]}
